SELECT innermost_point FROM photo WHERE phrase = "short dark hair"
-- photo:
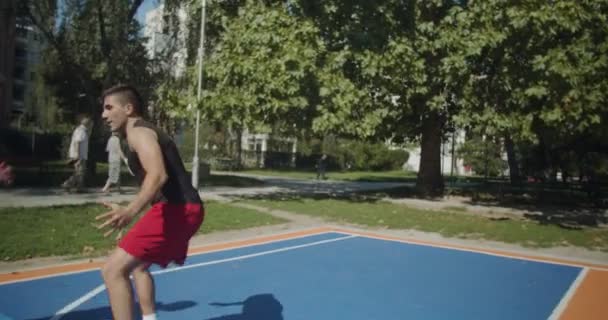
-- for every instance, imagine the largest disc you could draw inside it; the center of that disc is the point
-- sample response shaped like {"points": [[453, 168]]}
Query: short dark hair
{"points": [[126, 94]]}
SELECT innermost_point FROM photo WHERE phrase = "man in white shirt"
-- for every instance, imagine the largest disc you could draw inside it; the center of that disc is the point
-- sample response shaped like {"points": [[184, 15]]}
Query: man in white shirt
{"points": [[115, 156], [78, 154]]}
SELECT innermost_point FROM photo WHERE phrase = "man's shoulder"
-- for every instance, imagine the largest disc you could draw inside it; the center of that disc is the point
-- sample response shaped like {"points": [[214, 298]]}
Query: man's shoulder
{"points": [[80, 130], [143, 135]]}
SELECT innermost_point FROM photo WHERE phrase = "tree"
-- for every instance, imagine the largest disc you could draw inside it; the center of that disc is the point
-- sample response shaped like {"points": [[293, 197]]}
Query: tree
{"points": [[262, 72], [92, 45], [483, 155], [533, 72], [392, 55]]}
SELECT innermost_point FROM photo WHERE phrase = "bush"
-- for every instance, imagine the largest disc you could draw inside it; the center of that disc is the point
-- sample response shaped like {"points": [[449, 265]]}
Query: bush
{"points": [[483, 156], [350, 155], [366, 156]]}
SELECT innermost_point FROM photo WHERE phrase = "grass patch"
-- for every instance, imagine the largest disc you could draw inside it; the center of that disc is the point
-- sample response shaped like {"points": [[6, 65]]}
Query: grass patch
{"points": [[69, 230], [222, 217], [449, 224]]}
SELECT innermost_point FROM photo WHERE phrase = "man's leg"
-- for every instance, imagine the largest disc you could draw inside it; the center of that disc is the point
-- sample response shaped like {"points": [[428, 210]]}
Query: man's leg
{"points": [[116, 273], [144, 284], [81, 172], [106, 187], [115, 174], [71, 181]]}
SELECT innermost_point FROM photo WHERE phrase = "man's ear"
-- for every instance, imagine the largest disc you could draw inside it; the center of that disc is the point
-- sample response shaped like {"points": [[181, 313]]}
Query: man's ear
{"points": [[130, 109]]}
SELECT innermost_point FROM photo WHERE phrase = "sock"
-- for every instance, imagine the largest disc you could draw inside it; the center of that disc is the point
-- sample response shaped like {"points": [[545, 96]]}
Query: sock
{"points": [[149, 317]]}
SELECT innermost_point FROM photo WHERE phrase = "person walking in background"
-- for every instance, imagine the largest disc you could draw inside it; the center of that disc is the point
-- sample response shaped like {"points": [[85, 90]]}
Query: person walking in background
{"points": [[115, 156], [78, 154], [321, 167], [6, 174]]}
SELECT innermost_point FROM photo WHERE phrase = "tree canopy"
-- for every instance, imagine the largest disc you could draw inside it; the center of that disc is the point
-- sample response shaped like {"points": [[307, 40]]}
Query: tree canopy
{"points": [[530, 75]]}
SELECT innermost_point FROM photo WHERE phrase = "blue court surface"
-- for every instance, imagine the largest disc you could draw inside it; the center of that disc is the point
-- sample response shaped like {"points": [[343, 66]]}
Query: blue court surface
{"points": [[326, 276]]}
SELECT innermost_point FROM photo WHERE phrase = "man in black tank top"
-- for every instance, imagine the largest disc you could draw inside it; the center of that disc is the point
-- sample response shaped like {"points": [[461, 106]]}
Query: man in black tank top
{"points": [[162, 234]]}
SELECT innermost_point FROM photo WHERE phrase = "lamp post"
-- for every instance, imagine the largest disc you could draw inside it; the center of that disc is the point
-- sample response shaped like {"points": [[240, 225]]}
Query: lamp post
{"points": [[201, 54]]}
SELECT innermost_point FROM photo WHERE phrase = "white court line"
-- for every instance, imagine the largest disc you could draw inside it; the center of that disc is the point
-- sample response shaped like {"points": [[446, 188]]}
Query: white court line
{"points": [[65, 310], [514, 256], [189, 256], [563, 303]]}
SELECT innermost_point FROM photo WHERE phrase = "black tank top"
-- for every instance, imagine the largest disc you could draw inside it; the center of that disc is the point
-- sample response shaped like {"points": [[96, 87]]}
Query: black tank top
{"points": [[178, 188]]}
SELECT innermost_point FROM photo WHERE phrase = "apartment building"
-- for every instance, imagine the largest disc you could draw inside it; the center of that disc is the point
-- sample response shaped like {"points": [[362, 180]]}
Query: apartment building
{"points": [[167, 51], [7, 45], [29, 44]]}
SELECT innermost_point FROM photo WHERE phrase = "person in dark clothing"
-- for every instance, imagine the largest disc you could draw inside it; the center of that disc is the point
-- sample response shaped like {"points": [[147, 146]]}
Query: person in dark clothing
{"points": [[6, 174], [162, 234], [321, 167]]}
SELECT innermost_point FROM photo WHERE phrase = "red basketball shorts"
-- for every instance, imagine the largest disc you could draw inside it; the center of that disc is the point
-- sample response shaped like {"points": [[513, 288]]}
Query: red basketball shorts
{"points": [[161, 236]]}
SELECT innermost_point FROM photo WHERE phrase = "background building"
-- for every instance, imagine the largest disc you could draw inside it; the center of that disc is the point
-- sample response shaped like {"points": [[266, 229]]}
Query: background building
{"points": [[257, 147], [7, 58], [29, 44], [450, 162], [20, 54], [167, 50]]}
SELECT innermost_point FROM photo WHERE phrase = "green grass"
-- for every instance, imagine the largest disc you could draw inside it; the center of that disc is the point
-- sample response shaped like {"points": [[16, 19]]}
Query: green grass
{"points": [[70, 230], [450, 224], [386, 176], [222, 217]]}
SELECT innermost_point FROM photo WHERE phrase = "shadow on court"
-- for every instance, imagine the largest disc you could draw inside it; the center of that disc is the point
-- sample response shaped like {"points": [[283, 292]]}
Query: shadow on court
{"points": [[106, 312], [257, 307]]}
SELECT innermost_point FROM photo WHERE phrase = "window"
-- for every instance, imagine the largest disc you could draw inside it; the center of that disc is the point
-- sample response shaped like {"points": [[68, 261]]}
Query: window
{"points": [[21, 32], [251, 144], [20, 53], [19, 72], [18, 92], [165, 23]]}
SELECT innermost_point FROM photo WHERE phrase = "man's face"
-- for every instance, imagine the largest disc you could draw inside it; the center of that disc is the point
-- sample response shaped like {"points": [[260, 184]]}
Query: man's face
{"points": [[115, 114]]}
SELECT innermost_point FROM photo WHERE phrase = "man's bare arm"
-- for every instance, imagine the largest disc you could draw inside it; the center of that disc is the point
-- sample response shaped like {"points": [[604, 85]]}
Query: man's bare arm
{"points": [[145, 143]]}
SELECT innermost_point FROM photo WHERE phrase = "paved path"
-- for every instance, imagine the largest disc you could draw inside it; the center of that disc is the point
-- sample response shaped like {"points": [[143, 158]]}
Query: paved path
{"points": [[35, 197]]}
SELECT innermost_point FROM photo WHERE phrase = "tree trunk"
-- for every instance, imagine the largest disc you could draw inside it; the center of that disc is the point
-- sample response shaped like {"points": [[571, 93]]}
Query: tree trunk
{"points": [[429, 181], [239, 148], [514, 174]]}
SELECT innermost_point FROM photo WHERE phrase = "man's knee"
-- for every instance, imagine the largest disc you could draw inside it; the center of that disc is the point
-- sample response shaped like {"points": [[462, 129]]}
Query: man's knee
{"points": [[112, 270], [141, 271]]}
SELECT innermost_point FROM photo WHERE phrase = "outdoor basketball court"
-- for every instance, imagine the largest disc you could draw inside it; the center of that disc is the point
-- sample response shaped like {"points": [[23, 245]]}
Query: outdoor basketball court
{"points": [[329, 274]]}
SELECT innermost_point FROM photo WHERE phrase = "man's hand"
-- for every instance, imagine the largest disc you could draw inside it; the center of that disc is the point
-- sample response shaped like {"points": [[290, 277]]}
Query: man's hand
{"points": [[117, 218]]}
